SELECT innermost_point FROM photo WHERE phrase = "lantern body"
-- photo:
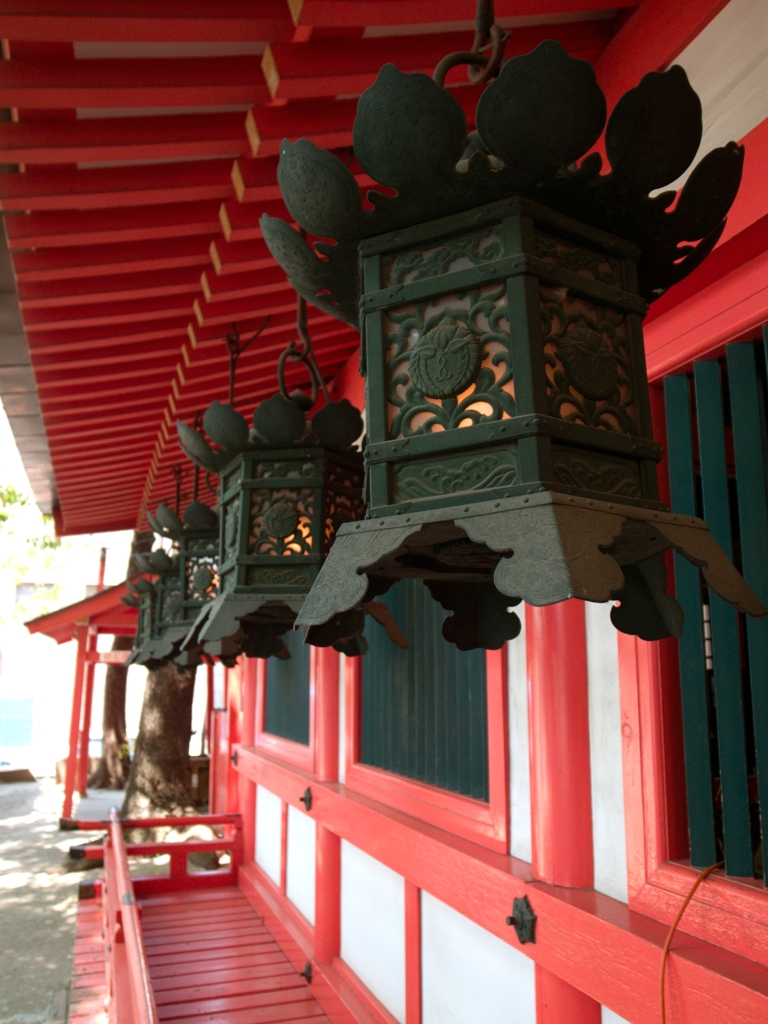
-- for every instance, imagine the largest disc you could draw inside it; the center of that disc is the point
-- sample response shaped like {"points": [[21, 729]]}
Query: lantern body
{"points": [[504, 356], [279, 510]]}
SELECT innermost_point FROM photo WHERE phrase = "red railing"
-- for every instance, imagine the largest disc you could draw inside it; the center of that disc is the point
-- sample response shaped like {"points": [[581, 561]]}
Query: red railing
{"points": [[129, 987]]}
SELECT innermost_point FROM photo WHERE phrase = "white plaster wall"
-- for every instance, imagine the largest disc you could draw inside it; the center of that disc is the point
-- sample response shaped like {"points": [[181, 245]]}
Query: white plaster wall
{"points": [[470, 976], [608, 836], [300, 862], [269, 813], [519, 764], [727, 65], [373, 926], [609, 1017], [342, 717]]}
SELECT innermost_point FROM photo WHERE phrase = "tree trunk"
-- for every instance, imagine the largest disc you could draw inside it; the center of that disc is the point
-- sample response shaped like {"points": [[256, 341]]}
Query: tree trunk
{"points": [[160, 779], [115, 762]]}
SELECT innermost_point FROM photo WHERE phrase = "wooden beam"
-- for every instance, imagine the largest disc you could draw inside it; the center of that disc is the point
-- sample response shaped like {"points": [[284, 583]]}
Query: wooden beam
{"points": [[85, 261], [109, 288], [344, 13], [122, 138], [239, 257], [63, 188], [650, 40], [240, 221], [142, 82], [92, 315], [143, 20], [334, 67], [172, 220]]}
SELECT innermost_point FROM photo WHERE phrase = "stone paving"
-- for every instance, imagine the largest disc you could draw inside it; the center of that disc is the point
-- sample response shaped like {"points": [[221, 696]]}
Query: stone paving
{"points": [[38, 901]]}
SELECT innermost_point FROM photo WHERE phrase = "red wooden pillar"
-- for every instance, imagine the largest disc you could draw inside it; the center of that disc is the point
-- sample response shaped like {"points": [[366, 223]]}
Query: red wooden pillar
{"points": [[81, 635], [328, 844], [249, 673], [85, 730], [561, 798]]}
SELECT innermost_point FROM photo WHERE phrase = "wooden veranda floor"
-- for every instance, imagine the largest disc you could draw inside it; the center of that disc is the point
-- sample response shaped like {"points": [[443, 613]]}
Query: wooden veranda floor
{"points": [[211, 961]]}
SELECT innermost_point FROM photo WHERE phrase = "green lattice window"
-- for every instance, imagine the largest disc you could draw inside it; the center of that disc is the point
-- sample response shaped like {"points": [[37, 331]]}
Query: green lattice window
{"points": [[718, 454], [286, 713], [424, 710]]}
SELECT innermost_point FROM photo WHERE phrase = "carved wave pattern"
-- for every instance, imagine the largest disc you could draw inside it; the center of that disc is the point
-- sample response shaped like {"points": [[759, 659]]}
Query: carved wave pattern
{"points": [[299, 542], [469, 251], [607, 478], [485, 316], [340, 508], [586, 351], [476, 474], [201, 578], [580, 261], [289, 577]]}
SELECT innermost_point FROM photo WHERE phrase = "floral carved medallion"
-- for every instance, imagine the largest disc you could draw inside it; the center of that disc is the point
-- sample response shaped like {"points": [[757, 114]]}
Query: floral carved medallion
{"points": [[589, 363], [446, 360], [281, 520]]}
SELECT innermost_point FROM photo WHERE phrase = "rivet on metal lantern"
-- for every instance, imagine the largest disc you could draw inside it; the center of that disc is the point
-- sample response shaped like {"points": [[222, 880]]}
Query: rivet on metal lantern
{"points": [[184, 581], [500, 295], [285, 488]]}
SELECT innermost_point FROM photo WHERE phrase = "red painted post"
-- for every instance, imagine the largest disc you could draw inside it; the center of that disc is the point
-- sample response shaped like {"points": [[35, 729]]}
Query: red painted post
{"points": [[249, 672], [85, 730], [412, 953], [561, 799], [81, 635], [328, 844]]}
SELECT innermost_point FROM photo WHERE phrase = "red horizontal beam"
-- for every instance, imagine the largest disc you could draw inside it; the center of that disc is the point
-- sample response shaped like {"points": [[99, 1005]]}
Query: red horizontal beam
{"points": [[336, 67], [147, 82], [346, 13], [84, 261], [240, 221], [277, 296], [145, 20], [112, 288], [239, 257], [42, 188], [91, 315], [122, 138], [173, 220]]}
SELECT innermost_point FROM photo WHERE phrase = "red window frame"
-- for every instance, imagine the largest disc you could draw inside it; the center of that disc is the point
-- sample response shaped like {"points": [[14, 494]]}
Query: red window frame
{"points": [[288, 750], [486, 823]]}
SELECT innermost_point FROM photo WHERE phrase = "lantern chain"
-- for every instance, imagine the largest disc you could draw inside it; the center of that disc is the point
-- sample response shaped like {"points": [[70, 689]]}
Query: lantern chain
{"points": [[483, 65]]}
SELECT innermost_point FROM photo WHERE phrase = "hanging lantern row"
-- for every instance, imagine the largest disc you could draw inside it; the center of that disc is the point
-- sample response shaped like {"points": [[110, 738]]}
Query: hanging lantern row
{"points": [[286, 485], [500, 295], [183, 583]]}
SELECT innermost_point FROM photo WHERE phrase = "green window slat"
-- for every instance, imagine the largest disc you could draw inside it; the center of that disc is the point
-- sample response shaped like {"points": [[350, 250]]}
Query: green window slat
{"points": [[725, 637], [424, 709], [693, 681], [753, 524], [287, 699]]}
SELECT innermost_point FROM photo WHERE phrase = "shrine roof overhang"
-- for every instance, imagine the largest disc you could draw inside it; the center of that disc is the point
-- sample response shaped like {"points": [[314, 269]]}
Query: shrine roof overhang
{"points": [[103, 612], [140, 149]]}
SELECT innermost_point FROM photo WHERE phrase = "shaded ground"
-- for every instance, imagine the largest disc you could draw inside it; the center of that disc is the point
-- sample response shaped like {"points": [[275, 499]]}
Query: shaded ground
{"points": [[38, 903]]}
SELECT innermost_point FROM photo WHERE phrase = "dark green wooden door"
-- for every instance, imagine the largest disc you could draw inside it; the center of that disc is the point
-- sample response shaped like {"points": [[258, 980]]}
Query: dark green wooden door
{"points": [[424, 709]]}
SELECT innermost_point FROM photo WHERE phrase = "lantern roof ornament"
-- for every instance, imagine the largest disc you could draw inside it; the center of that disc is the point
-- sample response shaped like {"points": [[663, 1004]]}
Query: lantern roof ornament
{"points": [[535, 121], [500, 293]]}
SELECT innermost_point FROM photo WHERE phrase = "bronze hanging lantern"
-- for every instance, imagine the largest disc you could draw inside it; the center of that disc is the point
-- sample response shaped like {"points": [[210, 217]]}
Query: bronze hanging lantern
{"points": [[184, 581], [500, 296], [285, 488]]}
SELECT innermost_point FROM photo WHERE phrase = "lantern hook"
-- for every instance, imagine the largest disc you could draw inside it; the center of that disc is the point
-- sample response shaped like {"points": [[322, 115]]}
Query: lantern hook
{"points": [[236, 349], [488, 37], [301, 352]]}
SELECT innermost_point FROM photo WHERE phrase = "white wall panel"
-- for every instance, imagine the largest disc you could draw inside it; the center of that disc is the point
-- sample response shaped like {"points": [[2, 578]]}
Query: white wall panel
{"points": [[609, 1017], [373, 926], [470, 976], [727, 65], [610, 848], [519, 764], [342, 717], [300, 862], [269, 814]]}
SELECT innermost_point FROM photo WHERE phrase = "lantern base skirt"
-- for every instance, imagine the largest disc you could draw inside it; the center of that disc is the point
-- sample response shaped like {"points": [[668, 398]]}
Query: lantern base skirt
{"points": [[236, 624], [541, 548]]}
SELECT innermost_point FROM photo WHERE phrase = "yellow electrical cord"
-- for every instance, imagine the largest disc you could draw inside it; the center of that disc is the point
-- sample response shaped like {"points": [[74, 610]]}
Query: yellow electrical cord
{"points": [[665, 955]]}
